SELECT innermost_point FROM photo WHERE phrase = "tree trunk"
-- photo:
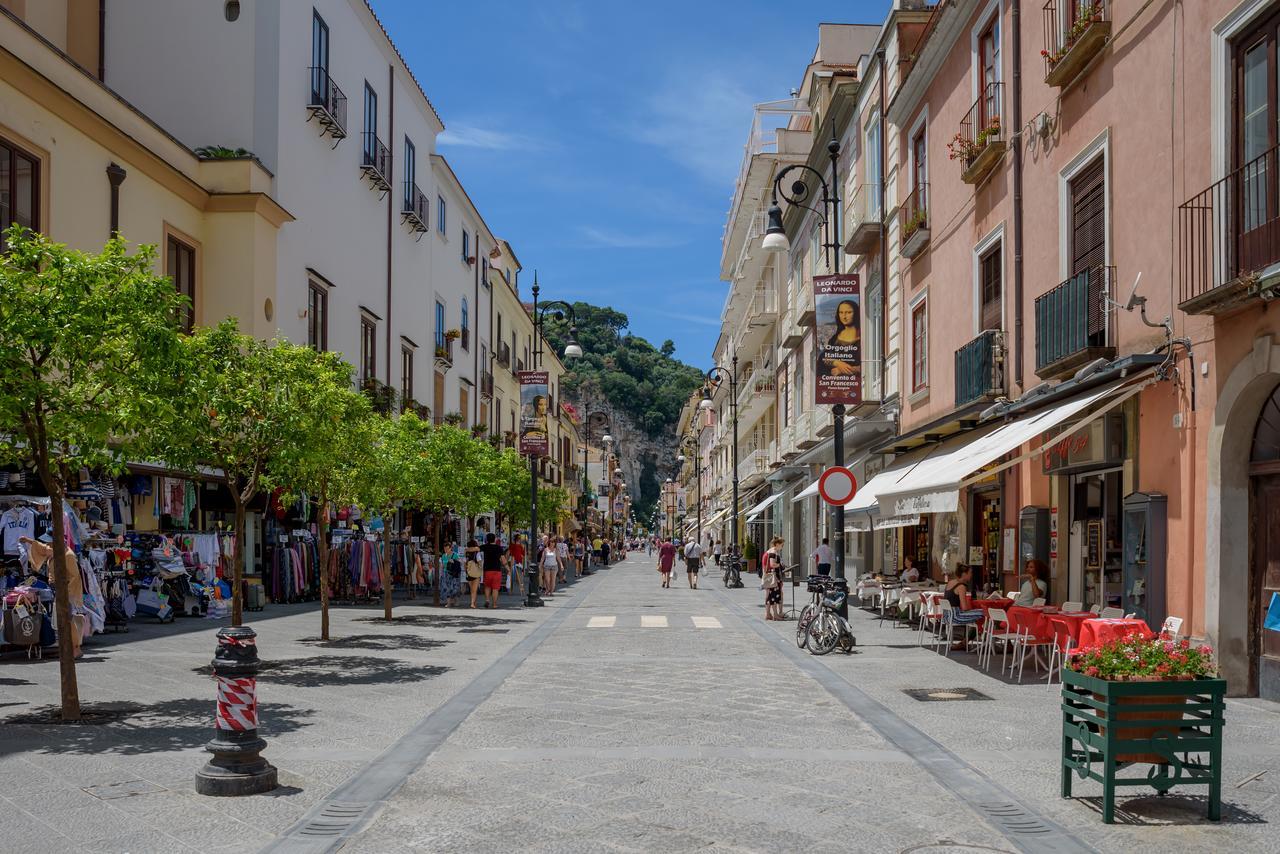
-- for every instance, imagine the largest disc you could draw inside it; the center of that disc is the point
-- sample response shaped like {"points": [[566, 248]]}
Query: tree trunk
{"points": [[386, 570], [323, 528], [237, 560], [440, 567], [62, 604]]}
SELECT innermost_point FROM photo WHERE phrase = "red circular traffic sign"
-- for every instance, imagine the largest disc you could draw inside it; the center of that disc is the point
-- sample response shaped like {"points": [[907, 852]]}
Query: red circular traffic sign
{"points": [[837, 486]]}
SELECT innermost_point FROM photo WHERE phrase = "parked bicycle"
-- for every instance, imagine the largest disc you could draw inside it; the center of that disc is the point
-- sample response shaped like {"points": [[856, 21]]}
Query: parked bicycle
{"points": [[828, 629], [732, 572], [817, 585]]}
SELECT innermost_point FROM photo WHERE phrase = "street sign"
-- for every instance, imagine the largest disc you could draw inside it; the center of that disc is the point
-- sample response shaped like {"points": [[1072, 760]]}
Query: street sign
{"points": [[837, 486]]}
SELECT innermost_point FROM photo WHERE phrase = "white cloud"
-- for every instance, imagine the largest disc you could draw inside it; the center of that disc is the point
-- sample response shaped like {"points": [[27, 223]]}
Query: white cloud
{"points": [[604, 238], [463, 135]]}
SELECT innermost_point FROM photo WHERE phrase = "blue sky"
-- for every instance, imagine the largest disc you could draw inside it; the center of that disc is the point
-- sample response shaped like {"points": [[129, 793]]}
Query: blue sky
{"points": [[603, 138]]}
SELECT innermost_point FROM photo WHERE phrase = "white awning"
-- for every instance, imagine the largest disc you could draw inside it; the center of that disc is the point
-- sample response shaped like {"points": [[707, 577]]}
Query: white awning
{"points": [[715, 517], [760, 508], [811, 489], [933, 484]]}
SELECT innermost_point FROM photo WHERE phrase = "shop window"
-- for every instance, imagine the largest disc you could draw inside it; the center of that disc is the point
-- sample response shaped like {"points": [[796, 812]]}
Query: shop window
{"points": [[180, 264], [318, 316], [19, 189]]}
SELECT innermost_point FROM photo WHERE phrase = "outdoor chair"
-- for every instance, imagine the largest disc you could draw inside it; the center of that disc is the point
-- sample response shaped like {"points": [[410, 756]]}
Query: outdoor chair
{"points": [[1095, 609], [1038, 602], [1112, 613], [1061, 649], [999, 628], [930, 619], [950, 619], [1027, 641], [1072, 606]]}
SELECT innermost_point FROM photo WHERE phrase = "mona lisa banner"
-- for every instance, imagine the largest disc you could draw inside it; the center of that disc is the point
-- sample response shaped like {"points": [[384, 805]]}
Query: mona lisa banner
{"points": [[534, 405], [837, 302]]}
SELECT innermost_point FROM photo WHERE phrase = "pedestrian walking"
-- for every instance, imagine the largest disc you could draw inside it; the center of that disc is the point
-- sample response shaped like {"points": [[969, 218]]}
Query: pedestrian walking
{"points": [[516, 562], [823, 557], [666, 559], [605, 550], [650, 552], [493, 561], [550, 563], [472, 557], [450, 573], [597, 549], [717, 551], [579, 556], [771, 580], [693, 562], [562, 551]]}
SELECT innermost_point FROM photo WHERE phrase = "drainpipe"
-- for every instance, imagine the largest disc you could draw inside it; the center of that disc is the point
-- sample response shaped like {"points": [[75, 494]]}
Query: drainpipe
{"points": [[1017, 194], [115, 176], [884, 237], [475, 345], [391, 196]]}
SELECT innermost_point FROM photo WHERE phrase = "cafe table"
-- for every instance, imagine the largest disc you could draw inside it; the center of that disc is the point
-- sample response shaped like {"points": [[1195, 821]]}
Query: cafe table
{"points": [[1100, 630], [1033, 617], [1071, 621]]}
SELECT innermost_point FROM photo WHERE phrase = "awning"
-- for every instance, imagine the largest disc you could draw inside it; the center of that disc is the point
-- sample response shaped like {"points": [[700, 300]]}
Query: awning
{"points": [[762, 506], [863, 512], [811, 489], [715, 517], [932, 484]]}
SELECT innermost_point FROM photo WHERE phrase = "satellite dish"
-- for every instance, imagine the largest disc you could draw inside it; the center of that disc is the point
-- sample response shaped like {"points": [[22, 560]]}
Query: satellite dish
{"points": [[1134, 300]]}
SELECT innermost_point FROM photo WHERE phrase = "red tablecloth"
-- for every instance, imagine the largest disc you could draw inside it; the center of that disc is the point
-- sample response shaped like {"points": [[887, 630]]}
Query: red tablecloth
{"points": [[1035, 617], [1098, 630], [1071, 621], [984, 604]]}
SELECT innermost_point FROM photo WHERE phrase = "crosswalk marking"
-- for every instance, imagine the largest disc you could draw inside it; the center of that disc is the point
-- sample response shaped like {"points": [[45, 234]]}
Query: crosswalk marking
{"points": [[653, 622], [601, 622], [706, 623]]}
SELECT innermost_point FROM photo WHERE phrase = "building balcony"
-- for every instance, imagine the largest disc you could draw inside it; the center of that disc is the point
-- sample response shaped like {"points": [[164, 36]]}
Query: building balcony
{"points": [[486, 384], [913, 235], [980, 368], [416, 212], [504, 355], [753, 466], [755, 396], [1074, 32], [979, 145], [327, 105], [375, 162], [444, 353], [408, 404], [1229, 240], [1074, 323], [382, 397], [865, 222]]}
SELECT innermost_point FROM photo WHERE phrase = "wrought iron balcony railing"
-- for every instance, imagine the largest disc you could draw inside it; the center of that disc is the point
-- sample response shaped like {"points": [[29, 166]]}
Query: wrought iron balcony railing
{"points": [[980, 143], [417, 208], [1074, 322], [980, 368], [1074, 32], [375, 161], [327, 104]]}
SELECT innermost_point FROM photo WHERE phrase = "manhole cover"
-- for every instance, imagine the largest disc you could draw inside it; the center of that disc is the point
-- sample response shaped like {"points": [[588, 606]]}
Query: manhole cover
{"points": [[127, 789], [483, 631], [935, 695]]}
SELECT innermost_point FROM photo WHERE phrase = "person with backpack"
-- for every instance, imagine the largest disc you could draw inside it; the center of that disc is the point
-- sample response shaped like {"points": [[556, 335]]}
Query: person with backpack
{"points": [[472, 565], [450, 574]]}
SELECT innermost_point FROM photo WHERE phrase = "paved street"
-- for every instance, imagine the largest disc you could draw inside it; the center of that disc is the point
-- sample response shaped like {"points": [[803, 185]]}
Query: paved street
{"points": [[622, 717]]}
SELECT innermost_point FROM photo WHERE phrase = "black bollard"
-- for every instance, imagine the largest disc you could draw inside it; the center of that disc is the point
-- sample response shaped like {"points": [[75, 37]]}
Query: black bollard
{"points": [[236, 767]]}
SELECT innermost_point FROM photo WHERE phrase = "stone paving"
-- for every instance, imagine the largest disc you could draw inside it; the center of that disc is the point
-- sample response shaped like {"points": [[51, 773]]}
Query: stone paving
{"points": [[616, 733]]}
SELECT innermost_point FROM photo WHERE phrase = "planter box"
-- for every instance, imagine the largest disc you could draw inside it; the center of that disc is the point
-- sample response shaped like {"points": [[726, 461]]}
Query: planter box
{"points": [[915, 243], [1173, 726], [1078, 56], [984, 162]]}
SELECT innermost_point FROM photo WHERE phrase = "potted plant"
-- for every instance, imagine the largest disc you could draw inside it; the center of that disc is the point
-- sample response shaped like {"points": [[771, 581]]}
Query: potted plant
{"points": [[452, 334], [750, 555], [914, 223], [1086, 17], [1143, 699]]}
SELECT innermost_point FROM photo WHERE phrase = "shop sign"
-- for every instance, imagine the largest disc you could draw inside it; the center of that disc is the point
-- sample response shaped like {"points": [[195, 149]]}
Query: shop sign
{"points": [[838, 306], [1099, 443], [534, 402]]}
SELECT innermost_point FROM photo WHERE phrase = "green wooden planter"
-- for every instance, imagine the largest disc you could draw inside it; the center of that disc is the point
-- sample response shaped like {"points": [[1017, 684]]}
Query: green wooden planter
{"points": [[1173, 727]]}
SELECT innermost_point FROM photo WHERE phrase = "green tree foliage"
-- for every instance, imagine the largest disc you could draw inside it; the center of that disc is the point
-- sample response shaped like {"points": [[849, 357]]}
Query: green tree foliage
{"points": [[87, 343]]}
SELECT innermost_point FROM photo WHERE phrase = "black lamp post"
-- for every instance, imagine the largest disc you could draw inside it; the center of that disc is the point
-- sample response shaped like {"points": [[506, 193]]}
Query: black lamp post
{"points": [[572, 350], [775, 240], [717, 375]]}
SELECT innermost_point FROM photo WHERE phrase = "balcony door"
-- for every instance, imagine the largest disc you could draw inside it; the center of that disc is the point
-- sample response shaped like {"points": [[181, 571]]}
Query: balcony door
{"points": [[1257, 134], [989, 58], [319, 59], [1088, 245]]}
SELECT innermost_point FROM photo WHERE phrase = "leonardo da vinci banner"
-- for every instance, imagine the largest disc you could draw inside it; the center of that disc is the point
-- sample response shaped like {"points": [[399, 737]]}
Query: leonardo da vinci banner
{"points": [[534, 403], [837, 302]]}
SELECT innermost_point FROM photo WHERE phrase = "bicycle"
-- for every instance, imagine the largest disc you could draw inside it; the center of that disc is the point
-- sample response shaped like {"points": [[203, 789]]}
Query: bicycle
{"points": [[816, 585], [732, 574], [829, 630]]}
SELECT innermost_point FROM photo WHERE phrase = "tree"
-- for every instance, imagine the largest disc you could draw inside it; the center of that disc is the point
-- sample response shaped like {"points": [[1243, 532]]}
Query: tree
{"points": [[87, 343], [668, 348], [245, 406]]}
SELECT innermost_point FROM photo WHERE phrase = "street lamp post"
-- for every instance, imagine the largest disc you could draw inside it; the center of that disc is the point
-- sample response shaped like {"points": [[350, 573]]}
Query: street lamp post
{"points": [[716, 375], [775, 240], [572, 350]]}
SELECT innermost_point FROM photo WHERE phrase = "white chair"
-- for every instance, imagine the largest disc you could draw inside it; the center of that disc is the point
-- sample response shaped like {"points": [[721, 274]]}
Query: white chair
{"points": [[1038, 602], [1112, 613], [1072, 606], [1027, 641], [949, 624], [1172, 626], [1061, 649], [1131, 615], [1012, 594], [930, 617], [1095, 609], [998, 629]]}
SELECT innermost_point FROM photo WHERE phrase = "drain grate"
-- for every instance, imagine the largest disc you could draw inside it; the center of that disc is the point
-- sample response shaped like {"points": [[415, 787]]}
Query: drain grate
{"points": [[941, 695], [483, 631], [336, 820], [1015, 819]]}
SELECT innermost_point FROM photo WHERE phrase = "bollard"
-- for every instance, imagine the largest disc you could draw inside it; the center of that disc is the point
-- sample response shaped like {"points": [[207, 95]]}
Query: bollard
{"points": [[236, 767]]}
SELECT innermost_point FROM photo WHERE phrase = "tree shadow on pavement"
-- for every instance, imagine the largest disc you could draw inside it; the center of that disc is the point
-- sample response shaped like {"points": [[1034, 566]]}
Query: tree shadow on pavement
{"points": [[1172, 809], [443, 621], [340, 671], [385, 643], [134, 728]]}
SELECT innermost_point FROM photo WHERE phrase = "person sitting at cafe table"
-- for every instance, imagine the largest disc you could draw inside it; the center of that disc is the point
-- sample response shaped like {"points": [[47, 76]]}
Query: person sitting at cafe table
{"points": [[1033, 587], [958, 593], [909, 571]]}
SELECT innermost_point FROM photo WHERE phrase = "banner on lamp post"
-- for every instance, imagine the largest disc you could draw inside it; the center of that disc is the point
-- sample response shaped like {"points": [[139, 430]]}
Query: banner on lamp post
{"points": [[534, 405], [837, 303]]}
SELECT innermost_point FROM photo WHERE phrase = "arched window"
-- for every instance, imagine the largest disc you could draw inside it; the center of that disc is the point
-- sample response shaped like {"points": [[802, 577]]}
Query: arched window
{"points": [[466, 326]]}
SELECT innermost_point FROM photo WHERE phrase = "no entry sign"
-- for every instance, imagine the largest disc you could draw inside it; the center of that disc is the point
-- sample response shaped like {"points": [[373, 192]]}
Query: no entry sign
{"points": [[837, 486]]}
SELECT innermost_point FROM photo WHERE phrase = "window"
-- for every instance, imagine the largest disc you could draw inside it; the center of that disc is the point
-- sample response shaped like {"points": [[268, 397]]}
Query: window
{"points": [[370, 124], [989, 71], [784, 394], [19, 189], [815, 246], [484, 272], [410, 172], [919, 166], [1257, 126], [466, 246], [990, 311], [872, 160], [437, 397], [440, 214], [873, 341], [406, 372], [464, 405], [368, 349], [319, 59], [318, 316], [1088, 235], [800, 393], [181, 268], [466, 327], [919, 346], [440, 325]]}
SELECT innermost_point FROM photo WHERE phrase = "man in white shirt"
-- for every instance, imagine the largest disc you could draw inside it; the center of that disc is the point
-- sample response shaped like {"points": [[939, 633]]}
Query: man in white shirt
{"points": [[824, 557], [693, 559]]}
